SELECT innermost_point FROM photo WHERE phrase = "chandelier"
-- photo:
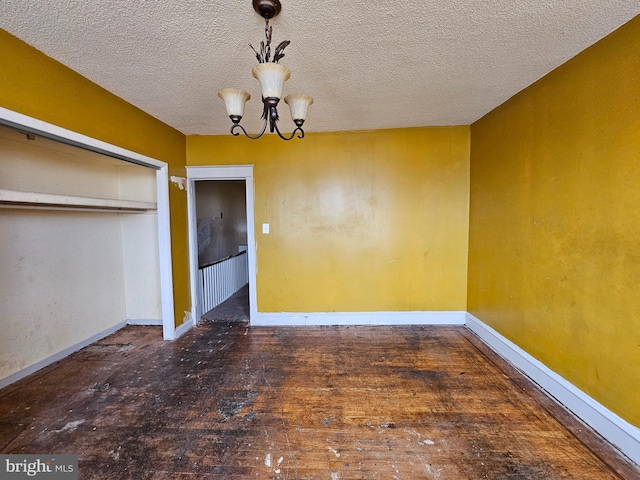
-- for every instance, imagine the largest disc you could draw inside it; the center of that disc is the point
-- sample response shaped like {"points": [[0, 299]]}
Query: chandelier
{"points": [[271, 76]]}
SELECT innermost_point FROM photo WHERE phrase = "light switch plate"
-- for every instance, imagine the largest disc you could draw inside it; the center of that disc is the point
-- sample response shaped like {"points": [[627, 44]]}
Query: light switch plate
{"points": [[265, 228]]}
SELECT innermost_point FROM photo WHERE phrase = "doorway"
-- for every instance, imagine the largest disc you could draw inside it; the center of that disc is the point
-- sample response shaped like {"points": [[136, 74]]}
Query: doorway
{"points": [[206, 241]]}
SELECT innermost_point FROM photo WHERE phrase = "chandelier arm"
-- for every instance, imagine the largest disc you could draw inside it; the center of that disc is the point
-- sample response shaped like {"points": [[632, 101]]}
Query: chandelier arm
{"points": [[297, 129], [235, 134]]}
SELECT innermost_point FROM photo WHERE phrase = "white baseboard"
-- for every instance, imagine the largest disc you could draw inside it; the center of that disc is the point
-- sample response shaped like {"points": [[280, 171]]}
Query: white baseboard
{"points": [[59, 356], [359, 318], [616, 430], [182, 329], [144, 321]]}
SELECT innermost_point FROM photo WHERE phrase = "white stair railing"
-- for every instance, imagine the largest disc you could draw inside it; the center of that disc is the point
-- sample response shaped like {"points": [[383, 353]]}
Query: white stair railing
{"points": [[221, 279]]}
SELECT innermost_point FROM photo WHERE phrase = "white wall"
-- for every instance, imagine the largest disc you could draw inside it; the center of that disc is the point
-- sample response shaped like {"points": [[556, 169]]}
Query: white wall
{"points": [[141, 268], [66, 276], [140, 247], [60, 282]]}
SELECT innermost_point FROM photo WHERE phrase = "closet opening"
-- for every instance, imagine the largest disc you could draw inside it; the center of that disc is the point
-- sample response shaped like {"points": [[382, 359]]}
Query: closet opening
{"points": [[85, 243]]}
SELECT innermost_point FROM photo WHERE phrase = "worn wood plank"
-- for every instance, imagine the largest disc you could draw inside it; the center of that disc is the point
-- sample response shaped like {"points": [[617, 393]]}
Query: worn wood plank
{"points": [[229, 401]]}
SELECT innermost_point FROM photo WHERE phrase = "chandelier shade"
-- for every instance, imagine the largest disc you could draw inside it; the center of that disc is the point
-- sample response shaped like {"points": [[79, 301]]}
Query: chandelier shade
{"points": [[271, 76], [234, 100], [298, 103]]}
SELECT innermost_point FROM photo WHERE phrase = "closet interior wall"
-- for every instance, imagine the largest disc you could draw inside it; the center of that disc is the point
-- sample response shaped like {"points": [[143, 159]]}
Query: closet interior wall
{"points": [[71, 270]]}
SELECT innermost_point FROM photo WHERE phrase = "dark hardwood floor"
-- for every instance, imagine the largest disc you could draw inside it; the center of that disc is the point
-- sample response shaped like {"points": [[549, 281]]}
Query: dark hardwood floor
{"points": [[234, 309], [232, 402]]}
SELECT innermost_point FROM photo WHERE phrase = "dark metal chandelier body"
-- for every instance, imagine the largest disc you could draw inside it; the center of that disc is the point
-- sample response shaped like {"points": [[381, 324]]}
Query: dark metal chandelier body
{"points": [[271, 75]]}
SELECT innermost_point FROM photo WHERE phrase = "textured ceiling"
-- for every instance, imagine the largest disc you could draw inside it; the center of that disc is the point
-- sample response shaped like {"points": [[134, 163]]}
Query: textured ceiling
{"points": [[368, 65]]}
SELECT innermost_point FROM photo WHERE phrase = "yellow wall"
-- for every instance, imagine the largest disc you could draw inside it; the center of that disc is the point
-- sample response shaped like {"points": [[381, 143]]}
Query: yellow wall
{"points": [[554, 260], [360, 221], [36, 85]]}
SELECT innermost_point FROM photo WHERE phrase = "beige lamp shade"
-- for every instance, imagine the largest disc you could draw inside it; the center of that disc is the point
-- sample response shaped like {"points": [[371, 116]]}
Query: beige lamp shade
{"points": [[271, 77], [298, 103], [234, 100]]}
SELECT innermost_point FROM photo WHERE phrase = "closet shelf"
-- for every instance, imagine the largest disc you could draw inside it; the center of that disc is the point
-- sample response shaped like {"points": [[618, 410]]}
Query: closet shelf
{"points": [[51, 201]]}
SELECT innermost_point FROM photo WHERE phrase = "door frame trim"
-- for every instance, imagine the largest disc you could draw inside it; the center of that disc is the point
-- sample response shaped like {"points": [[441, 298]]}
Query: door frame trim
{"points": [[221, 172]]}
